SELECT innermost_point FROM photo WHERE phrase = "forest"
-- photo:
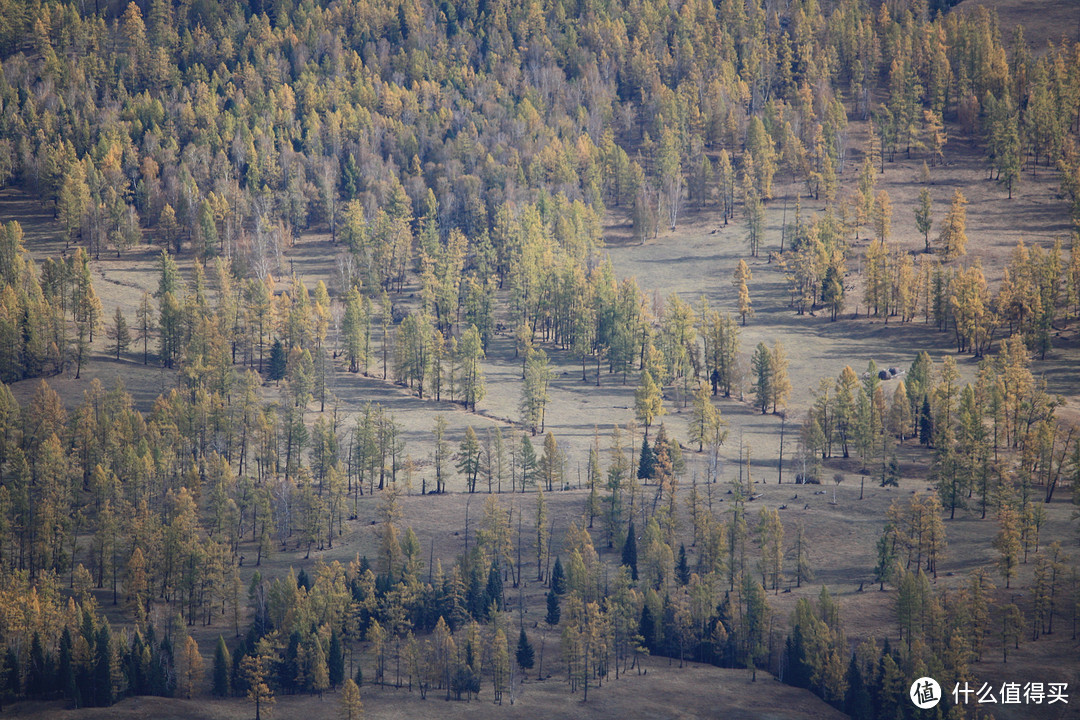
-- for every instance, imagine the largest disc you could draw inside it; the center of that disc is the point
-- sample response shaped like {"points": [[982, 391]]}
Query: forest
{"points": [[288, 286]]}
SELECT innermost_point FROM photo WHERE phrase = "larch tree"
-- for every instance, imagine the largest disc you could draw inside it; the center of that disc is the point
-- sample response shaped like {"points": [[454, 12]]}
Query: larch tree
{"points": [[704, 416], [352, 708], [780, 382], [550, 466], [882, 215], [801, 550], [500, 665], [669, 169], [469, 458], [754, 211], [442, 453], [542, 532], [648, 401], [119, 333], [725, 183], [470, 352], [740, 278], [953, 237], [534, 390], [354, 330], [192, 667], [770, 538], [1007, 542], [256, 678], [924, 216]]}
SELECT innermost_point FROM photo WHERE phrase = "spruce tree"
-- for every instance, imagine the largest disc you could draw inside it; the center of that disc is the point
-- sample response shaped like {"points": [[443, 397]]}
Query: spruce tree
{"points": [[335, 661], [647, 462], [493, 593], [629, 552], [554, 613], [647, 627], [857, 700], [558, 578], [278, 361], [222, 667], [525, 653], [682, 569], [926, 423]]}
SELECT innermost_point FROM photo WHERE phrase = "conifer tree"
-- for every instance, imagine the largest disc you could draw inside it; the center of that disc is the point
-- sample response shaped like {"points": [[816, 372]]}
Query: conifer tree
{"points": [[277, 367], [629, 552], [740, 278], [352, 707], [534, 390], [119, 333], [648, 401], [924, 216], [222, 667], [525, 654], [470, 353], [1007, 542], [335, 661], [778, 372], [761, 362], [554, 613], [953, 236], [469, 453]]}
